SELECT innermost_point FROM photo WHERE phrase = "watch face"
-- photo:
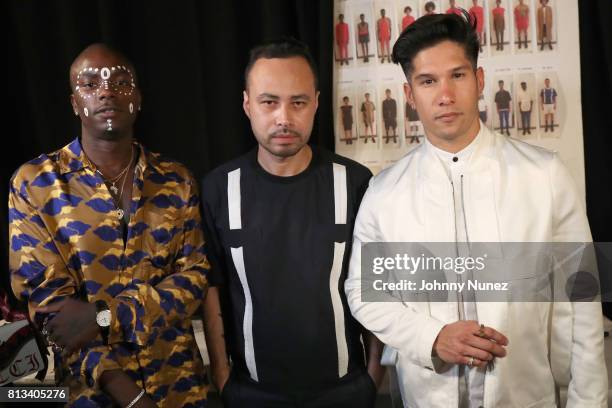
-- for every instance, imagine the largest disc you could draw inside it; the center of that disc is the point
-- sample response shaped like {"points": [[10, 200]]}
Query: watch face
{"points": [[103, 318]]}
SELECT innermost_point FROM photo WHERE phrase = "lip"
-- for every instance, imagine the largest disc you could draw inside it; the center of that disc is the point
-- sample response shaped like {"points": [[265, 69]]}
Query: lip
{"points": [[448, 117], [284, 138], [108, 111]]}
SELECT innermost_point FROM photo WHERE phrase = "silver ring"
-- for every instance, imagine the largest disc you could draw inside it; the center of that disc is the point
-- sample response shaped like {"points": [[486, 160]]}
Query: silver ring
{"points": [[470, 362]]}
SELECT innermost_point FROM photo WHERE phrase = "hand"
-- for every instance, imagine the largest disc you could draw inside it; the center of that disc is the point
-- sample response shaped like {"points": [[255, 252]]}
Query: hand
{"points": [[220, 377], [122, 389], [145, 402], [73, 326], [377, 373], [459, 342]]}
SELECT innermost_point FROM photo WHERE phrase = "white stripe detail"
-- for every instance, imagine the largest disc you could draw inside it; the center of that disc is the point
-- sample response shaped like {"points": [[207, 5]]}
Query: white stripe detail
{"points": [[247, 324], [233, 199], [334, 291], [340, 193]]}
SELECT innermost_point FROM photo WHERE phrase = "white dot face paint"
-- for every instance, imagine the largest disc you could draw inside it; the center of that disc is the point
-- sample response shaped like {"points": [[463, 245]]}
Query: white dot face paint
{"points": [[92, 82], [109, 125], [105, 73]]}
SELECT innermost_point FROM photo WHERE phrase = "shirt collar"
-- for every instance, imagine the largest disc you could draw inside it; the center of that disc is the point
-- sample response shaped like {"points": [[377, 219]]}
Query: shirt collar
{"points": [[461, 156], [72, 158]]}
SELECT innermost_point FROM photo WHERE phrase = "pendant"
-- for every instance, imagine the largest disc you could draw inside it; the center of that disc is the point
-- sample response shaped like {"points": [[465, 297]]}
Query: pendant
{"points": [[120, 213], [114, 189]]}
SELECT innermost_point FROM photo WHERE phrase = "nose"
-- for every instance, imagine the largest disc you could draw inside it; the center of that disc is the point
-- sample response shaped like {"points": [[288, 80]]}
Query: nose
{"points": [[105, 91], [447, 93], [283, 117]]}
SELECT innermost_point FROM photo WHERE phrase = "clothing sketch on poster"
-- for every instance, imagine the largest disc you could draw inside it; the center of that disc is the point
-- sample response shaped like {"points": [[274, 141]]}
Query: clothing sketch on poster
{"points": [[389, 114], [342, 34], [545, 25], [550, 105], [522, 26], [429, 7], [347, 133], [367, 115], [526, 105], [453, 6], [384, 31], [408, 10], [499, 27], [364, 49], [477, 15], [504, 120], [413, 132]]}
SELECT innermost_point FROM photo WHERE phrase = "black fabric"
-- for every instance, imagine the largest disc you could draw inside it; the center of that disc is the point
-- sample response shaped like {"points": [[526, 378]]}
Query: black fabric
{"points": [[355, 390], [596, 79], [189, 56], [287, 238]]}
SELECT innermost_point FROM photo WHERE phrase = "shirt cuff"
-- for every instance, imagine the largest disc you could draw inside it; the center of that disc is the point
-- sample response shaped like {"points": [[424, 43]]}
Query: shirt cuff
{"points": [[428, 336], [98, 360]]}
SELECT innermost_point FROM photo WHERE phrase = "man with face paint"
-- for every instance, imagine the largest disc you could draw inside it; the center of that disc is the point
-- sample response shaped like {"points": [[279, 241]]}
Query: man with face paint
{"points": [[107, 250], [279, 222]]}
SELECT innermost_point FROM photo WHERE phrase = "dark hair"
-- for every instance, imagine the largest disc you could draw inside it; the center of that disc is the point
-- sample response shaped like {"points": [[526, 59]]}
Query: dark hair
{"points": [[282, 48], [429, 31], [407, 8], [430, 5]]}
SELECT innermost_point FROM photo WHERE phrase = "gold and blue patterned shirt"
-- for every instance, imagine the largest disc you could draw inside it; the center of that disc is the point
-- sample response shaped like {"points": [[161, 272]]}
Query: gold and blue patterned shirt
{"points": [[66, 239]]}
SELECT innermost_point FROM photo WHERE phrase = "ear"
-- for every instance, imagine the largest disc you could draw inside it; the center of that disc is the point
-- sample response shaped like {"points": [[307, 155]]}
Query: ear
{"points": [[138, 97], [75, 107], [480, 79], [317, 100], [245, 104], [408, 93]]}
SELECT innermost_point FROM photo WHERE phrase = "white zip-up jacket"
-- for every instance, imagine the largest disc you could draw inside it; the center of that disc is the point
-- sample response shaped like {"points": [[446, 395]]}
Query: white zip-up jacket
{"points": [[512, 192]]}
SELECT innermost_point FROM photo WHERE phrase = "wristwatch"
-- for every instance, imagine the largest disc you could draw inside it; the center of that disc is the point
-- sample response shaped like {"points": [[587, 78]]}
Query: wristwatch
{"points": [[103, 318]]}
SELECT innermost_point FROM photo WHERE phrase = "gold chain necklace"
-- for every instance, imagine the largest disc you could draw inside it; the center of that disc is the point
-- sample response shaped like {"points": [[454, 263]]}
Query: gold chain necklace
{"points": [[120, 212], [115, 179]]}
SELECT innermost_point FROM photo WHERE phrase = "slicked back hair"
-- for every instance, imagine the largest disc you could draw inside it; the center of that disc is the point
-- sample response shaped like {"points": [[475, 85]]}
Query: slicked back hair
{"points": [[429, 31]]}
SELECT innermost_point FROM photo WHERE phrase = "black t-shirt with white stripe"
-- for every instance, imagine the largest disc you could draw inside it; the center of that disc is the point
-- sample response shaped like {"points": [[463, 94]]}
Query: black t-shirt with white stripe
{"points": [[279, 250]]}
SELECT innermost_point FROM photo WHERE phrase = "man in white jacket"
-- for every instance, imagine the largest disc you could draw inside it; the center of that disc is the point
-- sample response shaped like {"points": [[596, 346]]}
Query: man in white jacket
{"points": [[466, 184]]}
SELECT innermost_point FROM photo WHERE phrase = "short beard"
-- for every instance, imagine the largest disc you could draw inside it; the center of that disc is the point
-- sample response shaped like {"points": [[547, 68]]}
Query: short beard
{"points": [[110, 134], [285, 153]]}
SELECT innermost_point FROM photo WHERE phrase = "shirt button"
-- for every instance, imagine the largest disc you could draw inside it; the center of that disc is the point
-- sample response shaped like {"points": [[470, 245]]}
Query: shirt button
{"points": [[455, 159]]}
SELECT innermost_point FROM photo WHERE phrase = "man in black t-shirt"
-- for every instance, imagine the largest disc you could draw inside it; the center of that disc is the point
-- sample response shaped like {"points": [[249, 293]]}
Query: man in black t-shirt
{"points": [[502, 102], [279, 222]]}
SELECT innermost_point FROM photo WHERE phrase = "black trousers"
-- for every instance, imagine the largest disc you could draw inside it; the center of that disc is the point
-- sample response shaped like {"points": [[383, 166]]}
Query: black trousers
{"points": [[355, 390]]}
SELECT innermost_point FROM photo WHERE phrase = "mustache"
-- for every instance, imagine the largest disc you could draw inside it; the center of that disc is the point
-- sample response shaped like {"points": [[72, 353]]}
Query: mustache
{"points": [[276, 133]]}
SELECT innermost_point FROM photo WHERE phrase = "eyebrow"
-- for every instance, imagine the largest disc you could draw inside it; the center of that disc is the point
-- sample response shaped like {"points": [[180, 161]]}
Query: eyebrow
{"points": [[276, 97], [300, 97], [87, 74], [428, 75]]}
